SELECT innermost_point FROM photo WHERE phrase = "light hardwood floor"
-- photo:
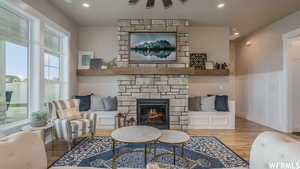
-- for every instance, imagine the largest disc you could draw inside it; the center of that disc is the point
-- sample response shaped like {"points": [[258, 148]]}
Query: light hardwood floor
{"points": [[239, 140]]}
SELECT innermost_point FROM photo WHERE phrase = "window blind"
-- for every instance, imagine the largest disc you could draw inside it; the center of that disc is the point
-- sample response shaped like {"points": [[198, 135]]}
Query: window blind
{"points": [[13, 28], [52, 40]]}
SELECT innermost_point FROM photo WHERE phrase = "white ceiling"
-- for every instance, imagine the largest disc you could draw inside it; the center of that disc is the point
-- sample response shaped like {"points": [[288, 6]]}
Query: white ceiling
{"points": [[244, 15]]}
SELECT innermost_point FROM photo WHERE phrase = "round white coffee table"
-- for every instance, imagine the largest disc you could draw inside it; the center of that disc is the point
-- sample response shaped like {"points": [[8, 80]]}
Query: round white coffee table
{"points": [[134, 135], [174, 138]]}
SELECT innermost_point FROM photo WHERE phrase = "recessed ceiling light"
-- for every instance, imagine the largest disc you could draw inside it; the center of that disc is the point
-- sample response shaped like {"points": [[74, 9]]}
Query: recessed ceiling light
{"points": [[221, 5], [248, 43], [236, 33], [86, 5]]}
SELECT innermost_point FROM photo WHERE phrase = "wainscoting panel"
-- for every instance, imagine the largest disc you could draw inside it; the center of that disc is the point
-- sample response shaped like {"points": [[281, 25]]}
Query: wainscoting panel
{"points": [[260, 98]]}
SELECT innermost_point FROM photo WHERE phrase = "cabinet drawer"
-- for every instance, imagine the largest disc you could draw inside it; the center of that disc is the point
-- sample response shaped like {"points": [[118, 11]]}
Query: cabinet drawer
{"points": [[199, 120], [219, 120]]}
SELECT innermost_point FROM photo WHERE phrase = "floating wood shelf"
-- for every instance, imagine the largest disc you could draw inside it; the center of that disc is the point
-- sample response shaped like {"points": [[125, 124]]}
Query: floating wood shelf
{"points": [[152, 71]]}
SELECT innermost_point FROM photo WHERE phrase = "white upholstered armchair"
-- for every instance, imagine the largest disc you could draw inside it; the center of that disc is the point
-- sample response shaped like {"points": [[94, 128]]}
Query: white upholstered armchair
{"points": [[272, 148], [25, 151], [70, 128]]}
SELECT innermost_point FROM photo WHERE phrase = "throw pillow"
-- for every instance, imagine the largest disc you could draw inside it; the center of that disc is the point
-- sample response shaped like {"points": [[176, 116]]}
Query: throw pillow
{"points": [[208, 103], [110, 103], [221, 103], [85, 102], [195, 103], [69, 114], [96, 103]]}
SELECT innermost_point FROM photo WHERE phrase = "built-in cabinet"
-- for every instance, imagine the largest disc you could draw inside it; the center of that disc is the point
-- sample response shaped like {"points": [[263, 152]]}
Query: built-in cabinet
{"points": [[213, 120]]}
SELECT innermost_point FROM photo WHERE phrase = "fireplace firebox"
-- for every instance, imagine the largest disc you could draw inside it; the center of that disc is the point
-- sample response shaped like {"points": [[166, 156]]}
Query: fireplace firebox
{"points": [[153, 112]]}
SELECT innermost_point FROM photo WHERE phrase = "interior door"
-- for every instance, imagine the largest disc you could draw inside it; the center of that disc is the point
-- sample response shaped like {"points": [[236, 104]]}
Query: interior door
{"points": [[2, 83]]}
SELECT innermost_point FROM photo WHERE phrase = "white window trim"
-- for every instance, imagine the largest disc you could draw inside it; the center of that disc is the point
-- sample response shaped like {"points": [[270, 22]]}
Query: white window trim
{"points": [[9, 126]]}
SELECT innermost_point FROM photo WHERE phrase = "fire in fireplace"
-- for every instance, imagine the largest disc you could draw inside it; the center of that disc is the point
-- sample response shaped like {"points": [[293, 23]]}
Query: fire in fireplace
{"points": [[153, 112]]}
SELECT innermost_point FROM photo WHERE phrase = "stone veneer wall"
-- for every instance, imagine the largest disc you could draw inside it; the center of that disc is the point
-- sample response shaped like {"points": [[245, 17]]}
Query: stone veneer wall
{"points": [[173, 87]]}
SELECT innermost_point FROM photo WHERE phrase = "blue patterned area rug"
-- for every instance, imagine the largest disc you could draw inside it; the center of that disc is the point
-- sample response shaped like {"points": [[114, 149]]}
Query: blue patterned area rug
{"points": [[203, 152]]}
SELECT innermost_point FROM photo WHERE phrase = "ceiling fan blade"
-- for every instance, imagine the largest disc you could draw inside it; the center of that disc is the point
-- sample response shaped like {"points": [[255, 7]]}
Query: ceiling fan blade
{"points": [[150, 3], [183, 1], [167, 3], [133, 2]]}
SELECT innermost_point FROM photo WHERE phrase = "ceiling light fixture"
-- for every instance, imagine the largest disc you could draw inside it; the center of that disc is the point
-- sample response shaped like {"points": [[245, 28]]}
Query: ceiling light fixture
{"points": [[236, 33], [221, 5], [86, 5]]}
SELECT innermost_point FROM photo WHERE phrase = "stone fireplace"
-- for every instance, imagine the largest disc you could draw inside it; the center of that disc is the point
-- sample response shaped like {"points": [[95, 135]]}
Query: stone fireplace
{"points": [[173, 88]]}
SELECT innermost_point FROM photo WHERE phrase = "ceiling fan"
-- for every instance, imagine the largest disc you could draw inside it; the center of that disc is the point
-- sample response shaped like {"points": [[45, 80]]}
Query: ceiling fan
{"points": [[150, 3]]}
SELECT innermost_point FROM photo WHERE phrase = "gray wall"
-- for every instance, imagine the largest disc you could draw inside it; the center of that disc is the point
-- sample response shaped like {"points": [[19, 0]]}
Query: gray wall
{"points": [[104, 42], [266, 52], [47, 9]]}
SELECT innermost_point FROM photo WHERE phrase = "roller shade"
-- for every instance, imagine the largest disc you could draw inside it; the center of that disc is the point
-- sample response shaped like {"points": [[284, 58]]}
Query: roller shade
{"points": [[52, 40], [13, 27]]}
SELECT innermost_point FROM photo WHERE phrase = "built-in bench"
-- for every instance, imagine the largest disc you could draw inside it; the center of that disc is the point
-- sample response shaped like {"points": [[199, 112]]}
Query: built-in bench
{"points": [[197, 120], [105, 119], [213, 120]]}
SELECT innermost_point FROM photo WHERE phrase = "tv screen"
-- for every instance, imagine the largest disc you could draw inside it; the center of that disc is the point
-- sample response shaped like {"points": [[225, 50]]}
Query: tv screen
{"points": [[152, 47]]}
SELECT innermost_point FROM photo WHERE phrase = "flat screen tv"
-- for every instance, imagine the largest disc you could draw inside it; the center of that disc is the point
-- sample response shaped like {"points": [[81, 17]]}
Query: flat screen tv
{"points": [[152, 47]]}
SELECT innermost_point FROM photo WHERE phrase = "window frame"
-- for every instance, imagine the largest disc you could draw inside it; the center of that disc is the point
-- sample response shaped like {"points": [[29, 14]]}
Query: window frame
{"points": [[36, 52], [26, 44]]}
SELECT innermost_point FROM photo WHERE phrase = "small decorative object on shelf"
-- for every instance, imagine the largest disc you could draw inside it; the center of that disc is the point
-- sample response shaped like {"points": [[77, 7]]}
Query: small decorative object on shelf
{"points": [[84, 59], [197, 60], [112, 63], [209, 65], [96, 63], [39, 119], [222, 66], [104, 67]]}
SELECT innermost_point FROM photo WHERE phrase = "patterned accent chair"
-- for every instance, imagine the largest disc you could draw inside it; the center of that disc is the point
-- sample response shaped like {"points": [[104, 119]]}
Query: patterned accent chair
{"points": [[69, 130]]}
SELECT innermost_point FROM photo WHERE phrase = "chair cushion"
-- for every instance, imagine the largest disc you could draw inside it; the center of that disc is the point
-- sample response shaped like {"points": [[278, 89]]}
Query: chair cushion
{"points": [[97, 103], [69, 114], [110, 103], [23, 150], [81, 127], [65, 109], [208, 103], [85, 102], [195, 103], [221, 103]]}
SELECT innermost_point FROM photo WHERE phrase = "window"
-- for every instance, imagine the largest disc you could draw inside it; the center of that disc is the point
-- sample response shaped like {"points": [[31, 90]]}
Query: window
{"points": [[52, 77], [52, 61], [34, 54], [14, 59]]}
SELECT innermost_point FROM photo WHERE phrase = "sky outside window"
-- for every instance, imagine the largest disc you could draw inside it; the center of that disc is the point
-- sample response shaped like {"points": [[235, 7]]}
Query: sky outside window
{"points": [[16, 60]]}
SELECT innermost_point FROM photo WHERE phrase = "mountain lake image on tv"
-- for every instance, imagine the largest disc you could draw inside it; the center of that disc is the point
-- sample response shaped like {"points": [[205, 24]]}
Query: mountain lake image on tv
{"points": [[152, 47]]}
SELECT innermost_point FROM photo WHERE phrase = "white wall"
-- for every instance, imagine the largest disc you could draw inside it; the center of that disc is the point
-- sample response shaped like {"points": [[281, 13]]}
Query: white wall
{"points": [[215, 42], [103, 41], [260, 75], [260, 98], [294, 82], [211, 40]]}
